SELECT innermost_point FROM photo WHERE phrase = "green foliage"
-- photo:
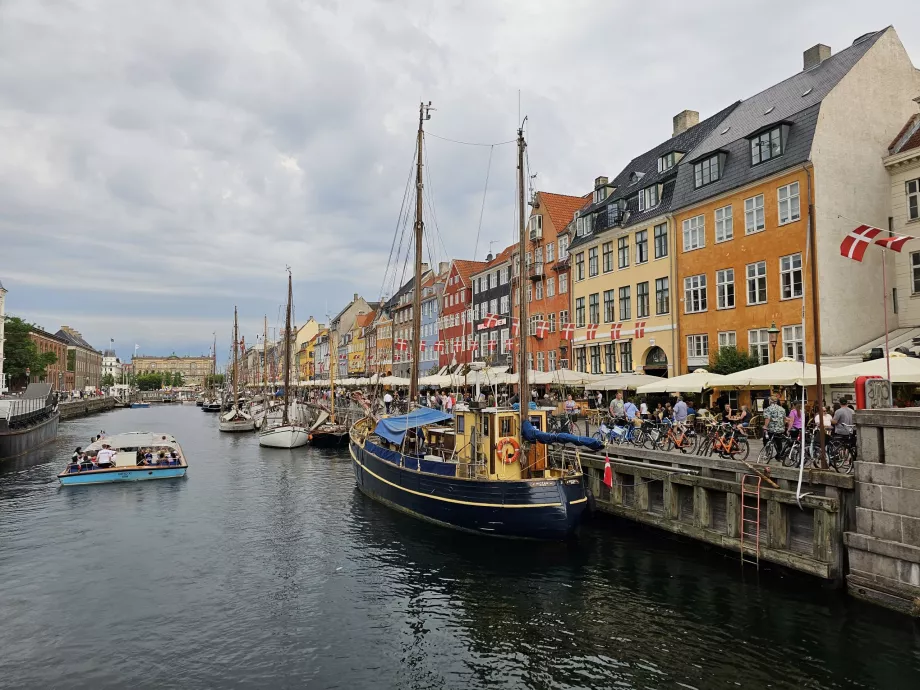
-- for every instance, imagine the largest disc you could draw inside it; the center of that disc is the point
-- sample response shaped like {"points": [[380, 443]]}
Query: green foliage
{"points": [[149, 381], [214, 380], [730, 359], [177, 379], [108, 380], [21, 353], [71, 360]]}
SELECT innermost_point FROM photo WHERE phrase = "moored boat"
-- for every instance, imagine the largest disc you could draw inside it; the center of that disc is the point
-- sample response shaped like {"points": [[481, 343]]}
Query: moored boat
{"points": [[28, 422], [236, 419], [125, 465], [139, 405]]}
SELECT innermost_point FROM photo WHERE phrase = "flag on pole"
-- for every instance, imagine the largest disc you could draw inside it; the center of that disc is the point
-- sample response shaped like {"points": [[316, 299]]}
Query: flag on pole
{"points": [[515, 327], [568, 331], [895, 243], [439, 346], [639, 329], [855, 243], [615, 331], [541, 329], [492, 345], [458, 346], [592, 331], [608, 473], [508, 345], [491, 321]]}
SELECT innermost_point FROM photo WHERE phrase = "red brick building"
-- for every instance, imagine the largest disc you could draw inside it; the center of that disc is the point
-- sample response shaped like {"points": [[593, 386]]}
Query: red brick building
{"points": [[455, 324]]}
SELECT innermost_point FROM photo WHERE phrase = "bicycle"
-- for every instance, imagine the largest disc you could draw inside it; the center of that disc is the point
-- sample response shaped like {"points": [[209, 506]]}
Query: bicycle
{"points": [[681, 437], [775, 447], [561, 424], [731, 443], [841, 451]]}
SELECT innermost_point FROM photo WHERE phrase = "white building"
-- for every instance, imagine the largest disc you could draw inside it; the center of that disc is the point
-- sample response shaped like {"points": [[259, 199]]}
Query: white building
{"points": [[112, 365]]}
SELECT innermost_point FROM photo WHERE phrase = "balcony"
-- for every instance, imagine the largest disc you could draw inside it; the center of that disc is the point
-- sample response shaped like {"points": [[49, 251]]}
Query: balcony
{"points": [[562, 264], [535, 271]]}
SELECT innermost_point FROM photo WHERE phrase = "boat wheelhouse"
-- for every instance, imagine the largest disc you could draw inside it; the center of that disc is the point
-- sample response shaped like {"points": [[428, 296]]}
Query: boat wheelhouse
{"points": [[126, 465]]}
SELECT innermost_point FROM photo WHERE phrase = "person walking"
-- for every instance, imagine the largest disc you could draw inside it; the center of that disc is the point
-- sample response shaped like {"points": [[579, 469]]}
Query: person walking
{"points": [[387, 401], [616, 405]]}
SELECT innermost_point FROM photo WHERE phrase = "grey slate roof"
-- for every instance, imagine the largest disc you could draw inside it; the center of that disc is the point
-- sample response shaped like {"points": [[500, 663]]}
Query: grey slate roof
{"points": [[796, 100], [74, 341]]}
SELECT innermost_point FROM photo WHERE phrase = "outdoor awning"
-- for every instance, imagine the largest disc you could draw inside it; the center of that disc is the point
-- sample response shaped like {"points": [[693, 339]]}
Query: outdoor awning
{"points": [[394, 428], [696, 382], [783, 372], [622, 382], [904, 369]]}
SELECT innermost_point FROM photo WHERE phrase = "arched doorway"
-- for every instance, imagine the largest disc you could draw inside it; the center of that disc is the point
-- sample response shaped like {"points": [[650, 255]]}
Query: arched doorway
{"points": [[656, 362]]}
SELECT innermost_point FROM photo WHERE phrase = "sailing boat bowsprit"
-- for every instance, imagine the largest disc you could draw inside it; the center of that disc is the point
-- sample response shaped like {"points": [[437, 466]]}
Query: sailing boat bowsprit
{"points": [[483, 470]]}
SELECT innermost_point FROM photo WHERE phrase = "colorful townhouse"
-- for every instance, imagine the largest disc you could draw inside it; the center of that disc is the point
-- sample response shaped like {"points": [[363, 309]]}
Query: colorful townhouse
{"points": [[456, 314], [803, 153], [432, 290], [623, 255], [383, 339], [490, 335], [357, 345]]}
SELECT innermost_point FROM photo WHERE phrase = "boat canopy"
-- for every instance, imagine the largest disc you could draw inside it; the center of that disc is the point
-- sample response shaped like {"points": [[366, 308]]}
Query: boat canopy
{"points": [[394, 429], [531, 433]]}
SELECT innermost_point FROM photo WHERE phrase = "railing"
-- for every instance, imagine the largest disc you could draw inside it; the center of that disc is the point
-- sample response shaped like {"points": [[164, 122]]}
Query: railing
{"points": [[535, 271], [18, 408]]}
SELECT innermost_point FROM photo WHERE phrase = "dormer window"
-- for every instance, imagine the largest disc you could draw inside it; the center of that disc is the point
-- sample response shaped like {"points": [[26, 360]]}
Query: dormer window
{"points": [[584, 225], [768, 144], [635, 177], [708, 170], [668, 161], [648, 198], [600, 194]]}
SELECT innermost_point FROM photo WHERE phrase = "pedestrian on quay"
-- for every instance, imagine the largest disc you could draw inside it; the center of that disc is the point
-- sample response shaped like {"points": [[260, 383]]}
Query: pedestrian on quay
{"points": [[616, 405], [794, 421], [599, 400], [680, 410], [387, 401]]}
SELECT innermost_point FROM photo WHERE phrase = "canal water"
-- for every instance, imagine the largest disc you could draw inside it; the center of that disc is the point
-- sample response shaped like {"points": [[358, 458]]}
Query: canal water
{"points": [[267, 569]]}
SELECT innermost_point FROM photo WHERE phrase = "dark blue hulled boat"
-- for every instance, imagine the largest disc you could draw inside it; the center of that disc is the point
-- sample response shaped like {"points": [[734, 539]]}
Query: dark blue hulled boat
{"points": [[468, 472]]}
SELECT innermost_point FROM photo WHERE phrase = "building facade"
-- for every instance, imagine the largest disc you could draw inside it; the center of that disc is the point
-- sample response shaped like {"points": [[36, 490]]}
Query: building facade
{"points": [[383, 339], [432, 293], [492, 318], [303, 353], [82, 359], [56, 374], [111, 366], [455, 326], [194, 370], [357, 361]]}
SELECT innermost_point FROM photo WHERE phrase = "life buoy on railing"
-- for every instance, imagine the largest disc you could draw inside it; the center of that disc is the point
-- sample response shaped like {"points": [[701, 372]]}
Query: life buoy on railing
{"points": [[502, 447]]}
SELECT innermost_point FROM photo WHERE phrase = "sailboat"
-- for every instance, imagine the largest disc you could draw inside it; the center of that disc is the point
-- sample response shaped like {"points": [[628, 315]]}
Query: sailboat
{"points": [[288, 431], [326, 432], [487, 470], [236, 419]]}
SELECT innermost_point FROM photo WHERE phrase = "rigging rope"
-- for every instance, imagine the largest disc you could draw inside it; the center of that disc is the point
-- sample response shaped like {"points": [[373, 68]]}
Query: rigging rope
{"points": [[471, 143], [482, 209]]}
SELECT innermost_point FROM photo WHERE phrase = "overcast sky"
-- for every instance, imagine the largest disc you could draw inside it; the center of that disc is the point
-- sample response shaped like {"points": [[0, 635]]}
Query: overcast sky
{"points": [[161, 162]]}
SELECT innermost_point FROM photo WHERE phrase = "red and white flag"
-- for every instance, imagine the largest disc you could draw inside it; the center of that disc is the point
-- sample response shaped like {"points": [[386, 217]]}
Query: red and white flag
{"points": [[491, 321], [439, 346], [615, 331], [402, 344], [508, 345], [568, 331], [515, 328], [639, 329], [592, 331], [895, 243], [492, 345], [608, 473], [458, 346], [473, 344], [541, 329], [854, 245]]}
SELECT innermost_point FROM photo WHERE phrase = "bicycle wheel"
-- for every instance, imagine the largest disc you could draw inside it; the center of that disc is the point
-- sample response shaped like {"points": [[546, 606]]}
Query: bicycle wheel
{"points": [[767, 453], [741, 450]]}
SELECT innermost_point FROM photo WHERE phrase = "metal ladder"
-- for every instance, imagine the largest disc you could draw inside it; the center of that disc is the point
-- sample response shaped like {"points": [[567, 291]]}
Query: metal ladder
{"points": [[750, 519]]}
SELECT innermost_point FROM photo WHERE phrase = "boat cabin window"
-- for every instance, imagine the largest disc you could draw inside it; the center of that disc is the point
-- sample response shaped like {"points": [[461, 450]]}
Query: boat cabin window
{"points": [[485, 425], [537, 422], [505, 426], [461, 423]]}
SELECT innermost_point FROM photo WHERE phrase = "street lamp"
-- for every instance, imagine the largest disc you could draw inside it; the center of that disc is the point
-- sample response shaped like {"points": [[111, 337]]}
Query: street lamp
{"points": [[773, 333]]}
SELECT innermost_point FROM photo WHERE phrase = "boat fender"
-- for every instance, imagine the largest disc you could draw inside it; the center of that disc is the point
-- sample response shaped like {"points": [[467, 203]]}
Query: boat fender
{"points": [[508, 442]]}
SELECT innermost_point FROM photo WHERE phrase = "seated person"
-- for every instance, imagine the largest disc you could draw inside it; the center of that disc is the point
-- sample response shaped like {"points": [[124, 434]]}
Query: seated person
{"points": [[106, 456], [139, 458]]}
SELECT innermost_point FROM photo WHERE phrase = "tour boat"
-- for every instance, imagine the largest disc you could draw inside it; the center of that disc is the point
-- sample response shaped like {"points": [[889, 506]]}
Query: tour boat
{"points": [[491, 471], [139, 405], [126, 468], [236, 419]]}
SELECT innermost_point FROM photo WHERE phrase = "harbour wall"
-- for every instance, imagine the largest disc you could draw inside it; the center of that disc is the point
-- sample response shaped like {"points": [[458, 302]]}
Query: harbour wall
{"points": [[83, 408]]}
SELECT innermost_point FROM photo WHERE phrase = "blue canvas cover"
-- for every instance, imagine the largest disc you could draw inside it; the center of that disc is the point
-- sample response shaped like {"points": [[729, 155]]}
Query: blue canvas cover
{"points": [[531, 433], [394, 429]]}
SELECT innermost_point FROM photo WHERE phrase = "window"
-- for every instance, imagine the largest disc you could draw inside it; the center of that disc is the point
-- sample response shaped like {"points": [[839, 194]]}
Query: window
{"points": [[505, 304], [662, 296], [563, 283], [594, 309], [550, 252], [551, 319], [592, 262], [753, 214], [493, 280], [759, 345], [600, 194], [642, 300], [790, 276], [625, 306], [552, 360], [529, 293], [610, 358], [626, 356], [550, 286], [503, 275], [695, 294], [915, 272], [539, 290], [661, 240], [493, 305], [642, 246], [580, 312], [563, 316], [767, 145], [608, 256], [787, 199], [530, 360], [725, 288], [579, 227], [757, 283], [538, 255], [528, 260], [913, 199], [563, 248], [596, 359], [794, 343], [667, 161], [694, 233], [536, 224], [580, 266], [623, 252], [609, 307], [697, 346], [581, 362], [540, 358], [648, 198], [724, 224], [517, 265], [727, 339], [706, 171]]}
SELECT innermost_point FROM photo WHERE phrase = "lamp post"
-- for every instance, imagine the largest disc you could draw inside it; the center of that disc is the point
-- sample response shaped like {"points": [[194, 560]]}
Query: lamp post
{"points": [[773, 333]]}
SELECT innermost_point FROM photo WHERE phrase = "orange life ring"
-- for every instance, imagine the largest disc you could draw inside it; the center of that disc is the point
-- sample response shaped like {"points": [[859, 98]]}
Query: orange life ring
{"points": [[503, 443]]}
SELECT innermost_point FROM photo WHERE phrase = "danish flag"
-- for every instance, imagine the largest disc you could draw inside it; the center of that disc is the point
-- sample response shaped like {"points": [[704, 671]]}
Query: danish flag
{"points": [[422, 346], [896, 243], [474, 345], [568, 331], [592, 331], [402, 344], [541, 328], [491, 321], [515, 328], [508, 345], [492, 345], [458, 346], [639, 329], [439, 346], [615, 331], [854, 245]]}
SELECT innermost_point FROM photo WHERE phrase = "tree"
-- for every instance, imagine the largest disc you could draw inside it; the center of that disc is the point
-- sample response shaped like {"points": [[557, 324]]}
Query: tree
{"points": [[149, 381], [730, 359], [21, 353], [177, 379], [107, 380], [214, 380]]}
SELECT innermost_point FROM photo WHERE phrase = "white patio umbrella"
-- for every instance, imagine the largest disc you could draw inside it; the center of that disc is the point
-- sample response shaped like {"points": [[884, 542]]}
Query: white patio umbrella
{"points": [[394, 381], [783, 372], [618, 382], [695, 382], [904, 369], [563, 377]]}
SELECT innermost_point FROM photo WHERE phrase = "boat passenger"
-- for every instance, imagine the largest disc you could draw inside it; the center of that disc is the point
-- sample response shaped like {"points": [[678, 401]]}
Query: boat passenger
{"points": [[77, 454], [105, 457]]}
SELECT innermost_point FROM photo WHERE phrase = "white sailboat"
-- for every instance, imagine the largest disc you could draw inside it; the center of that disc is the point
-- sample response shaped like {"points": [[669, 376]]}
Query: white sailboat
{"points": [[289, 431], [236, 419]]}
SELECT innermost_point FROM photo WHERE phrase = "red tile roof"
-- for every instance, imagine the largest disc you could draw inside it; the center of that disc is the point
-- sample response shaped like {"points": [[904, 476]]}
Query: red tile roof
{"points": [[466, 268], [561, 207], [910, 134], [365, 319], [500, 258]]}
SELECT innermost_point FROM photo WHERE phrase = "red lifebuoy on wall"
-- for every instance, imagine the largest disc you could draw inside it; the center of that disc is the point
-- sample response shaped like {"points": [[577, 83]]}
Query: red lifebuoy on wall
{"points": [[505, 443]]}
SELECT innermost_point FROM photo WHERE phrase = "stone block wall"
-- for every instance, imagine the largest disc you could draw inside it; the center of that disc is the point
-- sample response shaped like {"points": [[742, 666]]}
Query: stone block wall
{"points": [[884, 551]]}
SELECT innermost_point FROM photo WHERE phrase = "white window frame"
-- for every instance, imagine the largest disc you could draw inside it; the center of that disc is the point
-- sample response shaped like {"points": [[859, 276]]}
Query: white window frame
{"points": [[758, 280], [727, 339], [759, 344], [648, 198], [539, 290], [915, 273], [563, 283], [695, 292], [912, 189], [505, 305], [698, 346], [550, 252], [725, 224], [754, 219], [725, 277], [794, 342], [788, 204], [694, 232], [536, 223], [551, 286], [787, 273], [552, 360], [563, 248]]}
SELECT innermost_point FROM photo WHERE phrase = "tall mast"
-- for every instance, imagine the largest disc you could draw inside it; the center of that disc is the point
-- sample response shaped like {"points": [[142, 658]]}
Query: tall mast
{"points": [[265, 364], [236, 338], [214, 361], [287, 353], [423, 114], [333, 365], [523, 388]]}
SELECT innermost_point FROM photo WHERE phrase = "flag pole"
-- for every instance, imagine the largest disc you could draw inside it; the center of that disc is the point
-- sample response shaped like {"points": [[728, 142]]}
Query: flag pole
{"points": [[885, 312]]}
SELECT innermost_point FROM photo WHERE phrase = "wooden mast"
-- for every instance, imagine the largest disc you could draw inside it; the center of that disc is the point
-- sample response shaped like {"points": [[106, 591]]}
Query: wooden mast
{"points": [[333, 366], [235, 374], [265, 365], [423, 114], [523, 388], [287, 353]]}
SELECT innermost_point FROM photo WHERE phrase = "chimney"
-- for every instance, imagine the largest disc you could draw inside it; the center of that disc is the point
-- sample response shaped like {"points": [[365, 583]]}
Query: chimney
{"points": [[442, 267], [600, 182], [355, 299], [684, 120], [424, 267], [815, 55]]}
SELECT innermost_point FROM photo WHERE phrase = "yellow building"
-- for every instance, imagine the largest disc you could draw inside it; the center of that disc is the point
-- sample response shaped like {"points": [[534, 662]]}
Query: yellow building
{"points": [[357, 345], [193, 369], [303, 347]]}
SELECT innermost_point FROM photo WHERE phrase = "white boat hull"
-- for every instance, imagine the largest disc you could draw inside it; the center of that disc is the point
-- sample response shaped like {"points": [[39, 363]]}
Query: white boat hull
{"points": [[237, 425], [284, 437]]}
